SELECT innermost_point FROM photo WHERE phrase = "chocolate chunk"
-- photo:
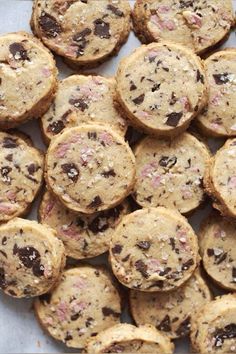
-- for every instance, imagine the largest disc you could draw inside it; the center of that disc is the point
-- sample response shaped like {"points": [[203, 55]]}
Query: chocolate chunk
{"points": [[166, 271], [71, 170], [18, 51], [188, 264], [221, 334], [9, 157], [9, 143], [5, 170], [165, 324], [107, 311], [3, 253], [210, 252], [45, 298], [184, 328], [114, 212], [110, 173], [172, 243], [56, 127], [221, 258], [167, 161], [142, 268], [114, 348], [2, 279], [184, 4], [38, 269], [234, 274], [126, 258], [138, 100], [200, 77], [155, 87], [89, 321], [92, 135], [98, 225], [173, 118], [68, 337], [80, 39], [79, 103], [221, 79], [32, 168], [96, 202], [132, 86], [4, 241], [80, 222], [27, 255], [101, 28], [115, 10], [75, 317], [145, 245], [117, 249], [49, 25]]}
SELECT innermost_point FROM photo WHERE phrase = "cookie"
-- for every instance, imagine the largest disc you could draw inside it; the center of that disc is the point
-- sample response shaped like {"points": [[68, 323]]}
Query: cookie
{"points": [[217, 248], [161, 88], [21, 175], [153, 249], [85, 33], [126, 338], [198, 25], [31, 258], [28, 79], [82, 99], [214, 327], [170, 173], [218, 118], [84, 236], [83, 304], [220, 179], [90, 168], [170, 312]]}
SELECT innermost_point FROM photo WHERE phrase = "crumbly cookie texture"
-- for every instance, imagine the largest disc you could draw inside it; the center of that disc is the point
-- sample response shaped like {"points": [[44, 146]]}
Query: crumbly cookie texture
{"points": [[170, 173], [171, 312], [218, 117], [85, 33], [220, 179], [161, 87], [31, 258], [83, 99], [217, 248], [84, 303], [153, 250], [90, 168], [21, 175], [126, 338], [213, 328], [83, 235], [28, 79], [197, 25]]}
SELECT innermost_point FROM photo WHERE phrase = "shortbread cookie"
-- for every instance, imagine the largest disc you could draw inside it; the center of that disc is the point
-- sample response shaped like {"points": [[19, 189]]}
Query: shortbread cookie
{"points": [[220, 179], [153, 250], [21, 175], [83, 99], [170, 173], [126, 338], [28, 79], [214, 326], [217, 248], [86, 33], [198, 25], [161, 87], [84, 303], [170, 312], [90, 168], [83, 235], [31, 258], [218, 118]]}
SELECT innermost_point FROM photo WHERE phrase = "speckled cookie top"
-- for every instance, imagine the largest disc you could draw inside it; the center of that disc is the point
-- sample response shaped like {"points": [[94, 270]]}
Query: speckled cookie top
{"points": [[83, 99], [153, 250], [21, 174], [75, 310], [90, 168], [161, 87]]}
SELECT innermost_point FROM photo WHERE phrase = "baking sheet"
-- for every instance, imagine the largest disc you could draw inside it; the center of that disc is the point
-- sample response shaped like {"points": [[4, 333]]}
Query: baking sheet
{"points": [[19, 330]]}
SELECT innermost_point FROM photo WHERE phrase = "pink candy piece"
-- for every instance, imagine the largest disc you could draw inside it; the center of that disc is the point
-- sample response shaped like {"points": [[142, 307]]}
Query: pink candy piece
{"points": [[97, 80], [7, 208], [48, 321], [106, 138], [195, 20], [232, 182], [215, 100], [186, 192], [80, 283], [77, 306], [156, 180], [86, 155], [46, 72], [163, 9], [71, 50], [163, 24], [219, 233], [11, 196], [185, 102], [70, 231], [62, 311], [148, 169], [49, 208], [142, 114], [62, 149], [153, 265]]}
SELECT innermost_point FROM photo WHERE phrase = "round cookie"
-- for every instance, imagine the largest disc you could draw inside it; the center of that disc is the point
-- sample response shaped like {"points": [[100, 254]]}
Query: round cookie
{"points": [[220, 179], [85, 33], [170, 312], [84, 236], [90, 168], [214, 327], [31, 258], [28, 79], [82, 99], [126, 338], [161, 87], [218, 118], [170, 173], [21, 175], [198, 25], [217, 248], [153, 250], [84, 303]]}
